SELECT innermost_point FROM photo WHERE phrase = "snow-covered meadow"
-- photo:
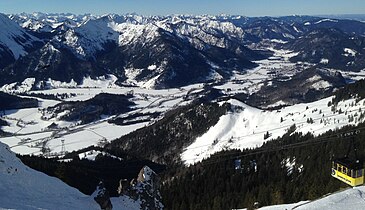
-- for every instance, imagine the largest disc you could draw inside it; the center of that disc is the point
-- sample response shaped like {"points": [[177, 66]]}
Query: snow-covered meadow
{"points": [[30, 128]]}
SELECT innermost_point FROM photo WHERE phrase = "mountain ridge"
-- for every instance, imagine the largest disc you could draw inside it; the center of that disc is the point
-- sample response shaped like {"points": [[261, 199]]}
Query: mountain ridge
{"points": [[165, 51]]}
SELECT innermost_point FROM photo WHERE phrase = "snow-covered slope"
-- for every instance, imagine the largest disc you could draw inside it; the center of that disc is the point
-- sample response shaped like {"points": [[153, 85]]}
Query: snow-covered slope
{"points": [[246, 127], [14, 40], [24, 188], [42, 22], [91, 36], [163, 51], [349, 199]]}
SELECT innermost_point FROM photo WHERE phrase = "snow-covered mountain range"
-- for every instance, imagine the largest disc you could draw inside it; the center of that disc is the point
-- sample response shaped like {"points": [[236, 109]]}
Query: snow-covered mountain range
{"points": [[124, 80], [168, 51]]}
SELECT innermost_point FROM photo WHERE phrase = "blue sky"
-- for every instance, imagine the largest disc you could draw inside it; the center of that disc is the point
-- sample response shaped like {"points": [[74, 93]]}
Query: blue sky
{"points": [[164, 7]]}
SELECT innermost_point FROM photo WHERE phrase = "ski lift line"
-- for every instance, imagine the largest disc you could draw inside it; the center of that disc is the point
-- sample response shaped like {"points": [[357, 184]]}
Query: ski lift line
{"points": [[279, 148], [260, 151], [313, 140], [57, 146], [310, 141], [30, 141], [44, 138], [95, 133], [240, 138]]}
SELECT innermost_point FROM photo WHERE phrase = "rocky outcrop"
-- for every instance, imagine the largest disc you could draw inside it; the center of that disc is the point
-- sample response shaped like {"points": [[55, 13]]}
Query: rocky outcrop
{"points": [[123, 187], [101, 196], [144, 189]]}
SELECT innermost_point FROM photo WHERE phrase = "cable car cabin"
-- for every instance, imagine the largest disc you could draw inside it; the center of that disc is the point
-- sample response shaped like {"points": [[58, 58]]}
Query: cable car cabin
{"points": [[237, 164], [349, 171]]}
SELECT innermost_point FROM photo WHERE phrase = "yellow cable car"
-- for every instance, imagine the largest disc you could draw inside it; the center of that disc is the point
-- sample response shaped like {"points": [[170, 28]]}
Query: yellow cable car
{"points": [[349, 171]]}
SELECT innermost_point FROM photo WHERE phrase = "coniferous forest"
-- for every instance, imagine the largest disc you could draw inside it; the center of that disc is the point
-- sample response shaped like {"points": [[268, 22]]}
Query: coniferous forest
{"points": [[295, 167], [285, 171], [85, 174]]}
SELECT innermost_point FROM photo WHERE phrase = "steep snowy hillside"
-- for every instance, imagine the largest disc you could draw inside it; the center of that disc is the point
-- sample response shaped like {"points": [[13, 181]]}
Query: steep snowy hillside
{"points": [[14, 41], [249, 127], [345, 200], [90, 37], [25, 188]]}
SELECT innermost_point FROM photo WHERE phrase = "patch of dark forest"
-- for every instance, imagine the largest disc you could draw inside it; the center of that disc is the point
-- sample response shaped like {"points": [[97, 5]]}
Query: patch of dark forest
{"points": [[85, 174]]}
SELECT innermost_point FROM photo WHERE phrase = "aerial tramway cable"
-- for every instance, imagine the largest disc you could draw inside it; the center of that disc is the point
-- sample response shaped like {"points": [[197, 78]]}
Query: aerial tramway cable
{"points": [[306, 143], [241, 138]]}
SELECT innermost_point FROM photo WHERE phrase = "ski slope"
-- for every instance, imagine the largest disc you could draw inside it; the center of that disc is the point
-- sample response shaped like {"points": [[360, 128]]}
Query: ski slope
{"points": [[245, 126]]}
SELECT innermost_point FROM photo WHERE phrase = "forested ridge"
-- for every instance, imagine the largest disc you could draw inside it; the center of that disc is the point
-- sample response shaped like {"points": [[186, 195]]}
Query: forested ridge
{"points": [[167, 137], [356, 89], [8, 101], [281, 173], [85, 174]]}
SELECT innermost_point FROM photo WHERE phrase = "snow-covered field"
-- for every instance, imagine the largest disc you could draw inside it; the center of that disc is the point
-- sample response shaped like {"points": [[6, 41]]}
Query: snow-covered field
{"points": [[29, 127], [275, 66]]}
